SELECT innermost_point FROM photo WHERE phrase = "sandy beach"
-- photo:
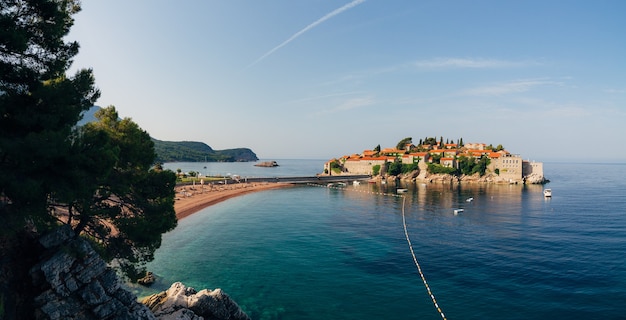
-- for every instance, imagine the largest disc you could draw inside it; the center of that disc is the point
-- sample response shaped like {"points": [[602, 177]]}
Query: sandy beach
{"points": [[191, 199]]}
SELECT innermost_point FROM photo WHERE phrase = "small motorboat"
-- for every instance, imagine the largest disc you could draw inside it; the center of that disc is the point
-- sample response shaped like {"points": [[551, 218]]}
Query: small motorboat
{"points": [[470, 199], [457, 211], [547, 193], [402, 190]]}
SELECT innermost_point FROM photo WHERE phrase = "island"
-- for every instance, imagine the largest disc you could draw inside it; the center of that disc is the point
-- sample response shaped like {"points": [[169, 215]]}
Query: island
{"points": [[267, 164], [433, 160]]}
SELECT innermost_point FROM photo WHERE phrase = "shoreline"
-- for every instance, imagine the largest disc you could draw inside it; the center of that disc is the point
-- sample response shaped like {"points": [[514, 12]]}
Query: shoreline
{"points": [[191, 199]]}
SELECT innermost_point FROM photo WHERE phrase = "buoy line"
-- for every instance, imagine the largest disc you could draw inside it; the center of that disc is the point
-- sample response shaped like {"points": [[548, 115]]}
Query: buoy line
{"points": [[408, 240], [419, 269]]}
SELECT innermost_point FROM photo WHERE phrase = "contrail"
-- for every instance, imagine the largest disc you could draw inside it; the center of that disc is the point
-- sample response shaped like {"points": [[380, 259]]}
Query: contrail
{"points": [[309, 27]]}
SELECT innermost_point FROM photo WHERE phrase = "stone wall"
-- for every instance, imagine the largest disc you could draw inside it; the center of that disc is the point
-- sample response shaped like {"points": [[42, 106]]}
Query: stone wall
{"points": [[533, 172], [509, 167], [362, 166]]}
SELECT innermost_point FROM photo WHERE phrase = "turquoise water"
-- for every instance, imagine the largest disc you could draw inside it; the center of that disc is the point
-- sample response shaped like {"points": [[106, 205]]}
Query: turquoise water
{"points": [[319, 253]]}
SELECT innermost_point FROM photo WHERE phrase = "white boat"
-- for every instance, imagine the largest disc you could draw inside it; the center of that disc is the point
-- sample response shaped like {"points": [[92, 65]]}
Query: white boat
{"points": [[457, 211], [401, 190], [547, 193], [470, 199], [356, 183]]}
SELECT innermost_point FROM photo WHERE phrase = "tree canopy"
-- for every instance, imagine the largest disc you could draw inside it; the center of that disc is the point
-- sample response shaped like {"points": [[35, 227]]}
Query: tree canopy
{"points": [[402, 143], [117, 200], [39, 104], [96, 178]]}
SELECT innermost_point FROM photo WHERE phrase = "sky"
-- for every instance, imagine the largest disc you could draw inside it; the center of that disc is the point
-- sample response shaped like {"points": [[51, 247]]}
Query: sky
{"points": [[319, 79]]}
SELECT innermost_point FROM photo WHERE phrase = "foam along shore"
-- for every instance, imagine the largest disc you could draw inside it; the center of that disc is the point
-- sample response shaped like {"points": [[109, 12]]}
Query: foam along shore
{"points": [[191, 199]]}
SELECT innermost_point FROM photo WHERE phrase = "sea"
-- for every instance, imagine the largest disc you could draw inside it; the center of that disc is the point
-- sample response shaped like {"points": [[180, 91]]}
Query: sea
{"points": [[319, 252]]}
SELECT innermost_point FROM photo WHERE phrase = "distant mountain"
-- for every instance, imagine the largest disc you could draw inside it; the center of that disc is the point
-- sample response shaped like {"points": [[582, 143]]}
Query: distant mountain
{"points": [[186, 151], [192, 151]]}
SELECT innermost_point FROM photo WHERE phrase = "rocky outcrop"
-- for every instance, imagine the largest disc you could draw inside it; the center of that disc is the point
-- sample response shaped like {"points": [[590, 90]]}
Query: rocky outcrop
{"points": [[185, 303], [424, 176], [535, 178], [267, 164], [64, 278], [147, 280], [75, 283]]}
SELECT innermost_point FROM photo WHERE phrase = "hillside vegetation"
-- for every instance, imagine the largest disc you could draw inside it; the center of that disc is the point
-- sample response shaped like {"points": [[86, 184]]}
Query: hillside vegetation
{"points": [[193, 151]]}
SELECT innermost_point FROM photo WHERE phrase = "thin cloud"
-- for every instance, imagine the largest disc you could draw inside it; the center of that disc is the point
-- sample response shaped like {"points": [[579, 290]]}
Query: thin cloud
{"points": [[307, 28], [508, 88], [320, 97], [615, 91], [348, 104], [464, 63], [355, 103]]}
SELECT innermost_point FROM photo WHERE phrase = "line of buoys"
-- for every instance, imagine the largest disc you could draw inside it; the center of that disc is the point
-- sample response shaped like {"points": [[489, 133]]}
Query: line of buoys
{"points": [[406, 233], [330, 186], [419, 269]]}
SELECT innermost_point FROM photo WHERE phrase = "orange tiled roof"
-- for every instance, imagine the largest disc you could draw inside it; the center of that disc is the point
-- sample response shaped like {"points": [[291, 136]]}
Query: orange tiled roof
{"points": [[372, 159], [391, 150], [369, 152]]}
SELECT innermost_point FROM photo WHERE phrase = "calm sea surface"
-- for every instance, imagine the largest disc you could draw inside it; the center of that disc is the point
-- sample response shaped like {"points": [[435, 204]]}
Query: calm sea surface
{"points": [[318, 253]]}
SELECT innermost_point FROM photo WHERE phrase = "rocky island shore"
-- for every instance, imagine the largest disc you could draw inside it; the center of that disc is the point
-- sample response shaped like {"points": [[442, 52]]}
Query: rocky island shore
{"points": [[432, 161]]}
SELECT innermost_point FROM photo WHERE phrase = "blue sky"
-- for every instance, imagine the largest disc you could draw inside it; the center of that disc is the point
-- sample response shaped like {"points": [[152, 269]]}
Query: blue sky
{"points": [[320, 79]]}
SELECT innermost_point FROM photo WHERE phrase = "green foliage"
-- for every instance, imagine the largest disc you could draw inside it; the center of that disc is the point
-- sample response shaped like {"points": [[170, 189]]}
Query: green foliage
{"points": [[435, 158], [39, 104], [439, 169], [375, 169], [430, 141], [116, 199], [495, 149], [335, 165], [191, 151], [470, 166], [402, 143], [395, 168], [406, 168]]}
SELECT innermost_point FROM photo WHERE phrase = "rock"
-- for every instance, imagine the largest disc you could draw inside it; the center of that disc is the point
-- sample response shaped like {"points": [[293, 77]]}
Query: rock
{"points": [[147, 280], [75, 283], [535, 178], [181, 302], [267, 164]]}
